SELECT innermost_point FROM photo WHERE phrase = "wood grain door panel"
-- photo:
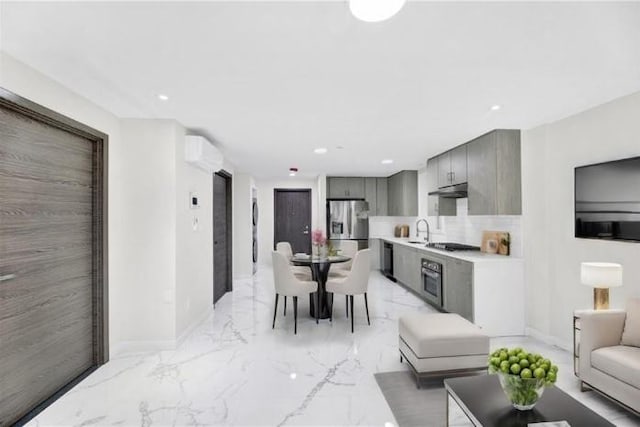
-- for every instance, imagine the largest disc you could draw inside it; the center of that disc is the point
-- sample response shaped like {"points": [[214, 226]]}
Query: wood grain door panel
{"points": [[292, 218], [222, 281], [48, 241]]}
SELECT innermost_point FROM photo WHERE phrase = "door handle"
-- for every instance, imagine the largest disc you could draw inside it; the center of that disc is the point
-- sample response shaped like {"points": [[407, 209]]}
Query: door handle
{"points": [[6, 277]]}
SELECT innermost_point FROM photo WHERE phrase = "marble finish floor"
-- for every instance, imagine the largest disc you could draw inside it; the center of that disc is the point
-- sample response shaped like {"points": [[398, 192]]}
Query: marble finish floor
{"points": [[233, 369]]}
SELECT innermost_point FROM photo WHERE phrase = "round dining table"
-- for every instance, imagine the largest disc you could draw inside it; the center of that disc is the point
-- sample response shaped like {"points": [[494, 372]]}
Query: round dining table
{"points": [[319, 272]]}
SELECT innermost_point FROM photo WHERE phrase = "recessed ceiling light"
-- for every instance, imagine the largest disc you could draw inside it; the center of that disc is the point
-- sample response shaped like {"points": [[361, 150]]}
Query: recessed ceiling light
{"points": [[495, 107], [320, 150], [375, 10], [163, 97], [293, 375], [386, 161]]}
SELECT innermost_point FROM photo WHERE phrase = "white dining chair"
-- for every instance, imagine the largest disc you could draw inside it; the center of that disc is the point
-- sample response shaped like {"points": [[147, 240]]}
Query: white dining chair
{"points": [[355, 283], [287, 284], [301, 272], [347, 248]]}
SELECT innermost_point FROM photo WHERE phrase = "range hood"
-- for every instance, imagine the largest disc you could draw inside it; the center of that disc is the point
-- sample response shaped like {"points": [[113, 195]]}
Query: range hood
{"points": [[458, 191]]}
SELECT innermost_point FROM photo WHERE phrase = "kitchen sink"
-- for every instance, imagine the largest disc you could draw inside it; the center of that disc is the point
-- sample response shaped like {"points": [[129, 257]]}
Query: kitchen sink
{"points": [[417, 242]]}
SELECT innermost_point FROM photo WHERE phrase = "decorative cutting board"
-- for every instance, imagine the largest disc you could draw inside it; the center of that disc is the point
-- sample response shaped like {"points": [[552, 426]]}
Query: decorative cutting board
{"points": [[496, 242]]}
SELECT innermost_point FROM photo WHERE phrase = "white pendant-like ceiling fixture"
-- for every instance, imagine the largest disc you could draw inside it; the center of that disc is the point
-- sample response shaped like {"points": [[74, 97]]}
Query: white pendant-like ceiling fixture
{"points": [[375, 10]]}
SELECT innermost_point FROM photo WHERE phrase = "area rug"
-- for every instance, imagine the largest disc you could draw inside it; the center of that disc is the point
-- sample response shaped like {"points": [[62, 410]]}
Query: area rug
{"points": [[412, 406]]}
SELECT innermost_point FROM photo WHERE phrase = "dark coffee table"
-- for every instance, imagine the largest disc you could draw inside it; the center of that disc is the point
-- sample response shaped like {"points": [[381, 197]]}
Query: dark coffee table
{"points": [[484, 403]]}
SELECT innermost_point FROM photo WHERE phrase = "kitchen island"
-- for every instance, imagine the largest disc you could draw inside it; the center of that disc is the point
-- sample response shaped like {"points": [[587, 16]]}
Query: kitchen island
{"points": [[487, 289]]}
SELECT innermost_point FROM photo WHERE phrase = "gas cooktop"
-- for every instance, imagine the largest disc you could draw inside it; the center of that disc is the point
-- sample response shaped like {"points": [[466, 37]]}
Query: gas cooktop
{"points": [[447, 246]]}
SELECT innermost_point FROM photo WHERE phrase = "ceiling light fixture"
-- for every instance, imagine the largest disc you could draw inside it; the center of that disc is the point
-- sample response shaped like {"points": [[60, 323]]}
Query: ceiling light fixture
{"points": [[293, 171], [375, 10], [321, 150], [386, 161], [163, 97], [495, 107]]}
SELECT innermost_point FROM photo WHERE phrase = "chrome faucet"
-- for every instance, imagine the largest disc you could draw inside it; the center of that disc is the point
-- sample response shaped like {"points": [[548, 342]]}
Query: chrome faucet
{"points": [[418, 231]]}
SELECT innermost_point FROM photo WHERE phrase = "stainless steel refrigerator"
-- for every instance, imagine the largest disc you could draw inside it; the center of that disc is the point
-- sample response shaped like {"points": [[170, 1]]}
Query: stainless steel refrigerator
{"points": [[348, 220]]}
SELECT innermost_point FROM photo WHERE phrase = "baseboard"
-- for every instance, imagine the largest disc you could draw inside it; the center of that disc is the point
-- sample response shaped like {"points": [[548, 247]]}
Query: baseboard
{"points": [[129, 347], [548, 339], [197, 322]]}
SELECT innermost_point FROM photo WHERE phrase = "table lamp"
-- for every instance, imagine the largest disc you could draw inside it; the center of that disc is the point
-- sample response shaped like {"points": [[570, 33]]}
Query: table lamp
{"points": [[601, 276]]}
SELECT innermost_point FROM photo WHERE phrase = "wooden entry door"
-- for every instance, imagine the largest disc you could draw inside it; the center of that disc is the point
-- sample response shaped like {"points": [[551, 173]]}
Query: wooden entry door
{"points": [[51, 256], [292, 218], [222, 245]]}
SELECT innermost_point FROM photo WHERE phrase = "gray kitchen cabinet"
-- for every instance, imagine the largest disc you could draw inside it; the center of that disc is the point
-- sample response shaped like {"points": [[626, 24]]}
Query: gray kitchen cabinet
{"points": [[381, 196], [452, 167], [336, 188], [371, 195], [403, 193], [458, 287], [345, 188], [437, 205], [400, 263], [459, 165], [375, 193], [444, 169], [494, 174], [406, 267], [414, 275]]}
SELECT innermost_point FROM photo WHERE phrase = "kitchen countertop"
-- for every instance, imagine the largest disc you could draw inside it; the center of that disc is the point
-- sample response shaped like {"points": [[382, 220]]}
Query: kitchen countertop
{"points": [[471, 256]]}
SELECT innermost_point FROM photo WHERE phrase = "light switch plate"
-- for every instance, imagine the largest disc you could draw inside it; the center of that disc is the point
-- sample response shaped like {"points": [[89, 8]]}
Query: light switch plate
{"points": [[194, 200]]}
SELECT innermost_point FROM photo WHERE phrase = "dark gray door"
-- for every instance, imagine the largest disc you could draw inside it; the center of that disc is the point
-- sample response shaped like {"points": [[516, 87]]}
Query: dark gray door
{"points": [[221, 235], [49, 220], [292, 218]]}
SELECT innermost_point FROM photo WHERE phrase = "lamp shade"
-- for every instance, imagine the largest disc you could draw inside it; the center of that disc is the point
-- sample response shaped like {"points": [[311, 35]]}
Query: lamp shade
{"points": [[601, 274]]}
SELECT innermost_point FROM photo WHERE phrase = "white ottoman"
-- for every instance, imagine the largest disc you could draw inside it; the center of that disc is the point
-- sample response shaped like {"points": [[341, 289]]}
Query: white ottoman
{"points": [[441, 344]]}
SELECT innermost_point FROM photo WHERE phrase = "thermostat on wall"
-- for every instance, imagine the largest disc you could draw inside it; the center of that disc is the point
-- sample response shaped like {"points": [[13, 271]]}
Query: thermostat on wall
{"points": [[194, 202]]}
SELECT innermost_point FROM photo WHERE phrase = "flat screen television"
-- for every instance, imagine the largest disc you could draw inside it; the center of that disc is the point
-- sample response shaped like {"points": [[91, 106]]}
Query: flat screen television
{"points": [[607, 200]]}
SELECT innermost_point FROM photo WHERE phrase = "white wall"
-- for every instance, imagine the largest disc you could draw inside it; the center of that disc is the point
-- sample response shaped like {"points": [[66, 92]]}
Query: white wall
{"points": [[149, 224], [152, 249], [243, 185], [194, 241], [552, 253], [265, 189]]}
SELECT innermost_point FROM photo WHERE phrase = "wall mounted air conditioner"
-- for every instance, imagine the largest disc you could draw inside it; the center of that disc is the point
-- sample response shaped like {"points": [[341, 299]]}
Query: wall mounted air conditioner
{"points": [[202, 154]]}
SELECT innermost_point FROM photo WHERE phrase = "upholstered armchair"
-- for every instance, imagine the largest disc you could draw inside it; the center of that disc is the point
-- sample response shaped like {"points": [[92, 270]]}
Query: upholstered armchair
{"points": [[609, 353]]}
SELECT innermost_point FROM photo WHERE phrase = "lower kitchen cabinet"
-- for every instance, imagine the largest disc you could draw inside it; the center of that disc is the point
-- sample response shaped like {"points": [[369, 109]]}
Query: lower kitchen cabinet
{"points": [[458, 292], [406, 266], [486, 289]]}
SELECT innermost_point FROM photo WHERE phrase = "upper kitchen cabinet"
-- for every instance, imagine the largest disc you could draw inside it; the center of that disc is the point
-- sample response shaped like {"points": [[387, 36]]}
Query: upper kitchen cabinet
{"points": [[436, 205], [494, 175], [375, 190], [403, 193], [382, 197], [345, 188], [452, 167]]}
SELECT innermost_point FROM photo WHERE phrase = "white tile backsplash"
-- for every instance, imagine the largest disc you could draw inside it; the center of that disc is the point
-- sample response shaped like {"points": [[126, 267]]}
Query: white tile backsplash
{"points": [[468, 229], [383, 226], [460, 229]]}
